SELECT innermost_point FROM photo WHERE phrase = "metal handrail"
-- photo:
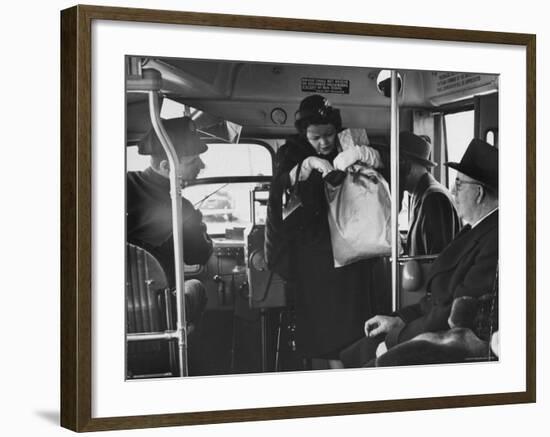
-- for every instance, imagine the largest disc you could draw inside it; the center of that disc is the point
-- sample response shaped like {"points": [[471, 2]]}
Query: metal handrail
{"points": [[177, 227], [150, 82], [146, 336], [405, 258], [394, 175]]}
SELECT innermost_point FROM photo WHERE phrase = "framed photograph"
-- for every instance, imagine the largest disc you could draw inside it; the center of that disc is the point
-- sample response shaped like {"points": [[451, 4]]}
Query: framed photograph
{"points": [[268, 218]]}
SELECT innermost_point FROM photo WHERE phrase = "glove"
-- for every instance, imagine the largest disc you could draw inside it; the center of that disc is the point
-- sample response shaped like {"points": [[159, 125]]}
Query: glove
{"points": [[347, 157], [315, 163], [366, 155]]}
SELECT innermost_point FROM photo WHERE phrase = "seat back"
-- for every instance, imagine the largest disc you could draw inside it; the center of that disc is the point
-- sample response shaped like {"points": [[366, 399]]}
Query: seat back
{"points": [[145, 285]]}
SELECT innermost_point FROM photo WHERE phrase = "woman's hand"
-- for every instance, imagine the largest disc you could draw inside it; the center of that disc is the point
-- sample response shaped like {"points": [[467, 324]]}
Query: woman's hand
{"points": [[382, 325], [365, 154], [347, 157], [315, 163]]}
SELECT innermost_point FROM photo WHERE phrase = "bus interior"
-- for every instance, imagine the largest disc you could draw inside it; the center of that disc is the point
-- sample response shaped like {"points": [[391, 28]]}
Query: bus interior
{"points": [[244, 111]]}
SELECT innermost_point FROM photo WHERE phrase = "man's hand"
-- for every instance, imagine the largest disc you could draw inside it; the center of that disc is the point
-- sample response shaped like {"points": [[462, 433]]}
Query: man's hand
{"points": [[315, 163], [382, 325]]}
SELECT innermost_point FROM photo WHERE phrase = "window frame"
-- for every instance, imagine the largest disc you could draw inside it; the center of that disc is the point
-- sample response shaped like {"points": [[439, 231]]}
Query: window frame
{"points": [[235, 179], [450, 109], [223, 179]]}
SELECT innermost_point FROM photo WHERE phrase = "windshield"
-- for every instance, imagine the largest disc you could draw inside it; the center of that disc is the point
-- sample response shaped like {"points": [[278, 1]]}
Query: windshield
{"points": [[242, 159], [226, 207]]}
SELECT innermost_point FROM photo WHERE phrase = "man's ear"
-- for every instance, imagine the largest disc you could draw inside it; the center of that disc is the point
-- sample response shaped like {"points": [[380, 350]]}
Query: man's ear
{"points": [[481, 194], [164, 166]]}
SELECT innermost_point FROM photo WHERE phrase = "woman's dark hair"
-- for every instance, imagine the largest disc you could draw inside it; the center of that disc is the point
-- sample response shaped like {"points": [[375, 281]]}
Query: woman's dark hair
{"points": [[316, 109]]}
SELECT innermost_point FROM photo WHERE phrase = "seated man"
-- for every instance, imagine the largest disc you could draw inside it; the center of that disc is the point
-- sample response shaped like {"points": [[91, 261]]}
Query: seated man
{"points": [[466, 267], [149, 209], [433, 219]]}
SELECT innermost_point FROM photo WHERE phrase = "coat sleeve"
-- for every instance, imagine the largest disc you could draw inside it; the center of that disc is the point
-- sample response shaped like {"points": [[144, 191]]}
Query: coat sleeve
{"points": [[197, 245], [433, 320], [481, 275], [279, 234], [275, 244], [438, 223]]}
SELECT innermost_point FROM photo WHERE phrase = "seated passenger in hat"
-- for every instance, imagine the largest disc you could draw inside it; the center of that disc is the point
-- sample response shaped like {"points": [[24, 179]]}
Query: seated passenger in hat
{"points": [[466, 267], [149, 209], [433, 219]]}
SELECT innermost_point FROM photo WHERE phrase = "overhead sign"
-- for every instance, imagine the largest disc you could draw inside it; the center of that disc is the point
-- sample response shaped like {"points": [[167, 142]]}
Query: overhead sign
{"points": [[450, 86], [453, 81], [325, 86]]}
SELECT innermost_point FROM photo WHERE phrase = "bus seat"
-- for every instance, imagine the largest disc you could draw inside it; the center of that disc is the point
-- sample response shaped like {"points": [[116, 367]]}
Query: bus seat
{"points": [[411, 276], [414, 272], [145, 281], [151, 308]]}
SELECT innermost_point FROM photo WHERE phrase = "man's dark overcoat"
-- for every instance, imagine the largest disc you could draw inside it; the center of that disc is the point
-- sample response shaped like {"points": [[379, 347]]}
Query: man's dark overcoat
{"points": [[467, 267], [149, 221], [433, 218]]}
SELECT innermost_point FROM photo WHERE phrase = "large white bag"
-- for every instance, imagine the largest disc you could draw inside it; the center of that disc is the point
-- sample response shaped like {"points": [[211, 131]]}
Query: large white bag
{"points": [[359, 216]]}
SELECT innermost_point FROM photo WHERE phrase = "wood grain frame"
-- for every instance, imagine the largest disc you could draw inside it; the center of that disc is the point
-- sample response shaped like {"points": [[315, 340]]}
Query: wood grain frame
{"points": [[76, 241]]}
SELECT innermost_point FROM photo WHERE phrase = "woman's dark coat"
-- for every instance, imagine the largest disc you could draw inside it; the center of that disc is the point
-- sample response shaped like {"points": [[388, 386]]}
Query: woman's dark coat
{"points": [[331, 303]]}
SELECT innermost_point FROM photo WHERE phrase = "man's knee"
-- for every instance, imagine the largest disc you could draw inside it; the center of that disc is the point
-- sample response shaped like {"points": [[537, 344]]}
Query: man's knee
{"points": [[361, 352]]}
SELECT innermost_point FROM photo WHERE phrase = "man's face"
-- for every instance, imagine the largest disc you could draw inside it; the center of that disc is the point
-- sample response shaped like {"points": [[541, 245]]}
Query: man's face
{"points": [[322, 137], [190, 167], [466, 192]]}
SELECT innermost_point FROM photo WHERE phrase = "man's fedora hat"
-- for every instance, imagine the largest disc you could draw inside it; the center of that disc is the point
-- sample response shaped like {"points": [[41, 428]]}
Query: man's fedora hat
{"points": [[480, 162], [184, 136], [415, 148]]}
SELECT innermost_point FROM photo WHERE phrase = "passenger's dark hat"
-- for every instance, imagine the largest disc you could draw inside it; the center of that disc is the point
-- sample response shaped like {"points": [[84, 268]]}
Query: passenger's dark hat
{"points": [[415, 148], [316, 109], [184, 136], [480, 162]]}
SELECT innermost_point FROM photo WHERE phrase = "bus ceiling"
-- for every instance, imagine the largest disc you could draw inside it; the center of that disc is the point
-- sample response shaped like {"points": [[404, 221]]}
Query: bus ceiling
{"points": [[263, 97]]}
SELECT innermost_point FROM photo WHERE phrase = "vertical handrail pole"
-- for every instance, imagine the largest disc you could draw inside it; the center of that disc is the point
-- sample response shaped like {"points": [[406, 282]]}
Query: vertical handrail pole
{"points": [[263, 339], [394, 160], [177, 227]]}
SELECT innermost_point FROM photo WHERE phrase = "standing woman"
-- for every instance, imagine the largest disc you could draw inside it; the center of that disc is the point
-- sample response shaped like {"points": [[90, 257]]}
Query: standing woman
{"points": [[331, 303]]}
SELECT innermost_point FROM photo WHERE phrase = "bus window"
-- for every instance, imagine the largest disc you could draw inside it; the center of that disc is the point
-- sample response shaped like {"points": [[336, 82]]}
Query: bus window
{"points": [[135, 161], [171, 109], [460, 131], [226, 205], [245, 160], [491, 137]]}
